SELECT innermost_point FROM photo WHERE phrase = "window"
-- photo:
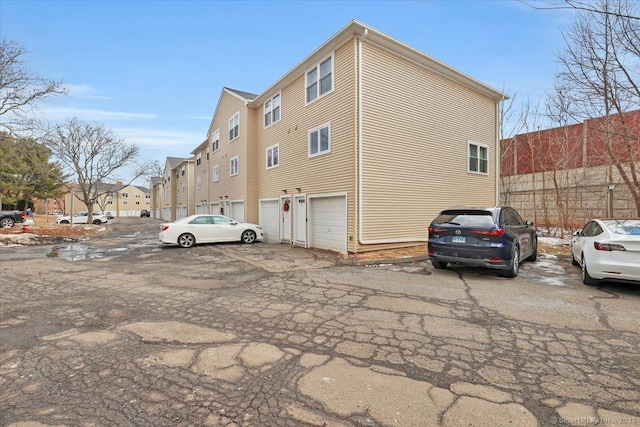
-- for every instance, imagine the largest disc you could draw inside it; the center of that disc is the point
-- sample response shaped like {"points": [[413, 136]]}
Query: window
{"points": [[215, 173], [137, 202], [184, 189], [320, 140], [272, 111], [215, 140], [234, 126], [182, 171], [124, 202], [137, 196], [478, 158], [320, 80], [273, 156], [198, 159], [233, 166], [198, 182], [124, 194]]}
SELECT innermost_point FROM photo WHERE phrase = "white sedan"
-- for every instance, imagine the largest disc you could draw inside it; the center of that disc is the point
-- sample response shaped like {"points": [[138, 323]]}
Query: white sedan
{"points": [[82, 217], [608, 249], [208, 229]]}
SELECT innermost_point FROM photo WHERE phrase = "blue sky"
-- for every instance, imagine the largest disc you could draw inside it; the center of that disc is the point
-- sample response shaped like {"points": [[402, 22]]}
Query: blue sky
{"points": [[152, 71]]}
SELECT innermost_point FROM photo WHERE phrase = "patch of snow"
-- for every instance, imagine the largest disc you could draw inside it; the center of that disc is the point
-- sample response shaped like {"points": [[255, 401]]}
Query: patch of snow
{"points": [[554, 241]]}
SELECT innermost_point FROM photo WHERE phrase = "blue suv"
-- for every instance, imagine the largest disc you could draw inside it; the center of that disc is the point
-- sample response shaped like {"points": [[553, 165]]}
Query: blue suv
{"points": [[494, 237]]}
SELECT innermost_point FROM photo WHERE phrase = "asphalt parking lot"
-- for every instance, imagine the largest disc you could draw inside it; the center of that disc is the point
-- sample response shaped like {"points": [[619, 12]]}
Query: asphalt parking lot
{"points": [[119, 330]]}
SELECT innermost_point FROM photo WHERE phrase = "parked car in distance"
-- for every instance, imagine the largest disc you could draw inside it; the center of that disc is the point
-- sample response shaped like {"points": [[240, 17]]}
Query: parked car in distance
{"points": [[208, 229], [495, 237], [82, 217], [10, 218], [608, 249], [107, 214], [145, 213]]}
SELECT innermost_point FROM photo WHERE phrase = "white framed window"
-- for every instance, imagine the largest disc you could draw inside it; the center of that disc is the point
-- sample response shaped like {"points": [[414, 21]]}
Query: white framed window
{"points": [[137, 202], [319, 80], [234, 126], [320, 140], [478, 158], [125, 202], [198, 159], [234, 165], [215, 140], [272, 111], [273, 156], [215, 173], [182, 171], [184, 189], [137, 195], [198, 182]]}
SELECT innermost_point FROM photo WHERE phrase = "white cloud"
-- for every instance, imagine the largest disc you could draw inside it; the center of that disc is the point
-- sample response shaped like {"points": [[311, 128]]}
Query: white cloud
{"points": [[84, 92], [183, 142], [93, 114]]}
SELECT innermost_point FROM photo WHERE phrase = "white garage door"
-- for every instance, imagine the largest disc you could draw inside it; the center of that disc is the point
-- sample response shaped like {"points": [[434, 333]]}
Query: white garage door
{"points": [[181, 212], [236, 211], [328, 223], [269, 220]]}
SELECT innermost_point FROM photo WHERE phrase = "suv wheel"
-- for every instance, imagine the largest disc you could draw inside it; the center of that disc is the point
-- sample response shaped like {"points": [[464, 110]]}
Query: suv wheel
{"points": [[514, 265]]}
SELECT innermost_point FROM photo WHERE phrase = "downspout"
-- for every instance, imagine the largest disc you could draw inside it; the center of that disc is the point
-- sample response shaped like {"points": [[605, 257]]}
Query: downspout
{"points": [[359, 141], [498, 165]]}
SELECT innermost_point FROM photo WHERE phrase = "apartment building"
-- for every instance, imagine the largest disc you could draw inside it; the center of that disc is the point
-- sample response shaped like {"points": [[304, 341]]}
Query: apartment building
{"points": [[356, 148]]}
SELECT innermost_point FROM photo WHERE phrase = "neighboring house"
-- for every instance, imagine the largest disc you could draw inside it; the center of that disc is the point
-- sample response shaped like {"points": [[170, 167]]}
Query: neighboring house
{"points": [[565, 175], [168, 200], [156, 197], [357, 148], [118, 199], [184, 188]]}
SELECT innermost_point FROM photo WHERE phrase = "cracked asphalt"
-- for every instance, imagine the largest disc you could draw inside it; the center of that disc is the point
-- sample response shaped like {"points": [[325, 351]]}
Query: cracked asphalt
{"points": [[122, 331]]}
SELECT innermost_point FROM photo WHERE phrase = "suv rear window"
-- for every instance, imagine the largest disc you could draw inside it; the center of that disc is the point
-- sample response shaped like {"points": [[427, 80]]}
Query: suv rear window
{"points": [[466, 219]]}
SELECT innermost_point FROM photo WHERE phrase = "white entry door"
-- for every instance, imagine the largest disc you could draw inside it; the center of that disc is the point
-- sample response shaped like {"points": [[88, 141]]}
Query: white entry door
{"points": [[286, 211], [236, 211], [270, 220], [300, 222], [328, 223]]}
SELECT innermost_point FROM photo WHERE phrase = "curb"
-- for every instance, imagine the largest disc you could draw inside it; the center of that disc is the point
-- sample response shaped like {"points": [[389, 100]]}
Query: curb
{"points": [[359, 263]]}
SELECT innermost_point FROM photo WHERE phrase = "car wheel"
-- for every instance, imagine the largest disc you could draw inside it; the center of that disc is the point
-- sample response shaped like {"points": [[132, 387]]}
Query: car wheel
{"points": [[64, 221], [249, 236], [586, 279], [534, 256], [186, 240], [440, 265], [97, 222], [573, 260], [6, 222], [514, 265]]}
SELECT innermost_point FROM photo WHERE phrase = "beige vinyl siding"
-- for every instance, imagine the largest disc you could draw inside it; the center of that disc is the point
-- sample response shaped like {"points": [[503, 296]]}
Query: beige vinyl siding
{"points": [[415, 129], [235, 187], [204, 172], [333, 172], [186, 198]]}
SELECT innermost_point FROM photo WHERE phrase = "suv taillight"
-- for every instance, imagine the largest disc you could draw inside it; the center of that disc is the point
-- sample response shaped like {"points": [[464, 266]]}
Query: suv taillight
{"points": [[493, 233], [433, 230]]}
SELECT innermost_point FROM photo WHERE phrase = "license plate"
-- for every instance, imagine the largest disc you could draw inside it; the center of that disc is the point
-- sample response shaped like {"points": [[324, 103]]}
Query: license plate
{"points": [[458, 239]]}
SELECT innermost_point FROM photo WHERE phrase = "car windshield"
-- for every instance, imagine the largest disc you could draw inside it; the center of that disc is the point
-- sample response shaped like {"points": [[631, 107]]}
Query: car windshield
{"points": [[466, 219], [629, 227]]}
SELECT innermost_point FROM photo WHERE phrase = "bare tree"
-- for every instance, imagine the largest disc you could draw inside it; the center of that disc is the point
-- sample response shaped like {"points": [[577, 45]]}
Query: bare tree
{"points": [[20, 89], [601, 77], [93, 154]]}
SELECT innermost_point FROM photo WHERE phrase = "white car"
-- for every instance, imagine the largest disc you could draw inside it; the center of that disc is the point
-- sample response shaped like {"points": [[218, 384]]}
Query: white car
{"points": [[82, 217], [608, 249], [208, 229]]}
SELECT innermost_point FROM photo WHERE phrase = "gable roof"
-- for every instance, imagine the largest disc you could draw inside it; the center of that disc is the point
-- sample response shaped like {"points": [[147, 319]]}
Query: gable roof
{"points": [[245, 95], [175, 161], [379, 39]]}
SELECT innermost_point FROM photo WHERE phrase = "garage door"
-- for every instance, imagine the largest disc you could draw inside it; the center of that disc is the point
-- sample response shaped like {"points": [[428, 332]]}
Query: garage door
{"points": [[328, 223], [270, 220], [236, 211]]}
